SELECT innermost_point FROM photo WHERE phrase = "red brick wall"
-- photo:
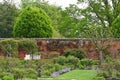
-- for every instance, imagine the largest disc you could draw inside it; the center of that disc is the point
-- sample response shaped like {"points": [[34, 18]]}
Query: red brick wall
{"points": [[59, 45]]}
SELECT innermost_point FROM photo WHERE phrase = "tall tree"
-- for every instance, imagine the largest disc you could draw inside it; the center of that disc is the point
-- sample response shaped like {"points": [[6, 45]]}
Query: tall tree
{"points": [[70, 24], [101, 40], [8, 13], [99, 13], [54, 12], [33, 22]]}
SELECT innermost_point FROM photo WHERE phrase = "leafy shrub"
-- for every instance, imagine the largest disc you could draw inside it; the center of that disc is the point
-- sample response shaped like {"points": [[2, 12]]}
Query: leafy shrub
{"points": [[104, 74], [45, 73], [75, 52], [57, 67], [7, 63], [69, 61], [61, 60], [72, 62], [72, 59], [116, 27], [31, 73], [88, 62], [2, 74], [13, 62], [8, 78], [47, 69], [99, 78], [10, 47], [27, 64], [33, 22], [80, 66], [18, 73]]}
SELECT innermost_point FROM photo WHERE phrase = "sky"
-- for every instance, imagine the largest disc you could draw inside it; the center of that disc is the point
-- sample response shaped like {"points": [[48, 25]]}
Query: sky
{"points": [[62, 3]]}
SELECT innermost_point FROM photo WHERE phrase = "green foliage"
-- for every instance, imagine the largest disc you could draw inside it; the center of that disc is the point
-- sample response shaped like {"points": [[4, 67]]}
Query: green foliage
{"points": [[8, 13], [99, 78], [57, 67], [61, 60], [116, 27], [69, 25], [10, 47], [69, 61], [53, 11], [98, 32], [7, 63], [75, 52], [8, 78], [31, 73], [2, 74], [33, 22], [29, 45], [98, 13], [88, 62], [27, 64], [47, 70], [18, 73], [72, 60], [110, 69]]}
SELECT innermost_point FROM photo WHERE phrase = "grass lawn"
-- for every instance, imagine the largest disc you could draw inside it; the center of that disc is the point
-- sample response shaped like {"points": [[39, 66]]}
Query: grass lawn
{"points": [[76, 75]]}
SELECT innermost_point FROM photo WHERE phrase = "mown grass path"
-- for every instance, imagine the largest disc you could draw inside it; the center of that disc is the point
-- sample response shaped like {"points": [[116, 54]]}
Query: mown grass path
{"points": [[76, 75]]}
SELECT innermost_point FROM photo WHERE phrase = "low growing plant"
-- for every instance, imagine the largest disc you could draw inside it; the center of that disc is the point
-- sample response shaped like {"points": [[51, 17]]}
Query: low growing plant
{"points": [[75, 52]]}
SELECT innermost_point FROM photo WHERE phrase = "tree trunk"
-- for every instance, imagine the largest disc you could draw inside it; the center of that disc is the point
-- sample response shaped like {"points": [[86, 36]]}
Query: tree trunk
{"points": [[100, 57]]}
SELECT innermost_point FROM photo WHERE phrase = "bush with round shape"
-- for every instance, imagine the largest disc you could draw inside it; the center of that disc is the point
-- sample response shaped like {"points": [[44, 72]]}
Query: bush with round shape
{"points": [[61, 60], [33, 23], [72, 59], [75, 52]]}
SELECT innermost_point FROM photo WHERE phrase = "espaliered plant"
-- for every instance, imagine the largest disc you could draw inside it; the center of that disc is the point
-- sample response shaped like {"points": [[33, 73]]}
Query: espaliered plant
{"points": [[9, 47], [29, 45], [33, 22]]}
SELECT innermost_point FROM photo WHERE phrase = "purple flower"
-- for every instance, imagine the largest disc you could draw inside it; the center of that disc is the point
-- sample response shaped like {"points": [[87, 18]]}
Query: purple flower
{"points": [[55, 74]]}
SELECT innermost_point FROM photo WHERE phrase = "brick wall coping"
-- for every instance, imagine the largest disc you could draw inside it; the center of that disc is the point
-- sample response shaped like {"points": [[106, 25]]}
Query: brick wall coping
{"points": [[64, 39]]}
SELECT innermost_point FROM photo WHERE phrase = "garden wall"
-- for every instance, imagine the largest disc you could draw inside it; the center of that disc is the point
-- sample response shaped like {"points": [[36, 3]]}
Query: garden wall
{"points": [[48, 45], [59, 45]]}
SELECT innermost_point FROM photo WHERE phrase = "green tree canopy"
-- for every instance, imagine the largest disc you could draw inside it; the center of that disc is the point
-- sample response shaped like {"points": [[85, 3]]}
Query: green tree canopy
{"points": [[8, 14], [33, 22], [99, 13], [116, 27], [53, 11]]}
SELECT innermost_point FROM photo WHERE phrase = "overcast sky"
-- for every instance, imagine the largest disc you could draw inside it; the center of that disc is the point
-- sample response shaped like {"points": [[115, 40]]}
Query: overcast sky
{"points": [[62, 3]]}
